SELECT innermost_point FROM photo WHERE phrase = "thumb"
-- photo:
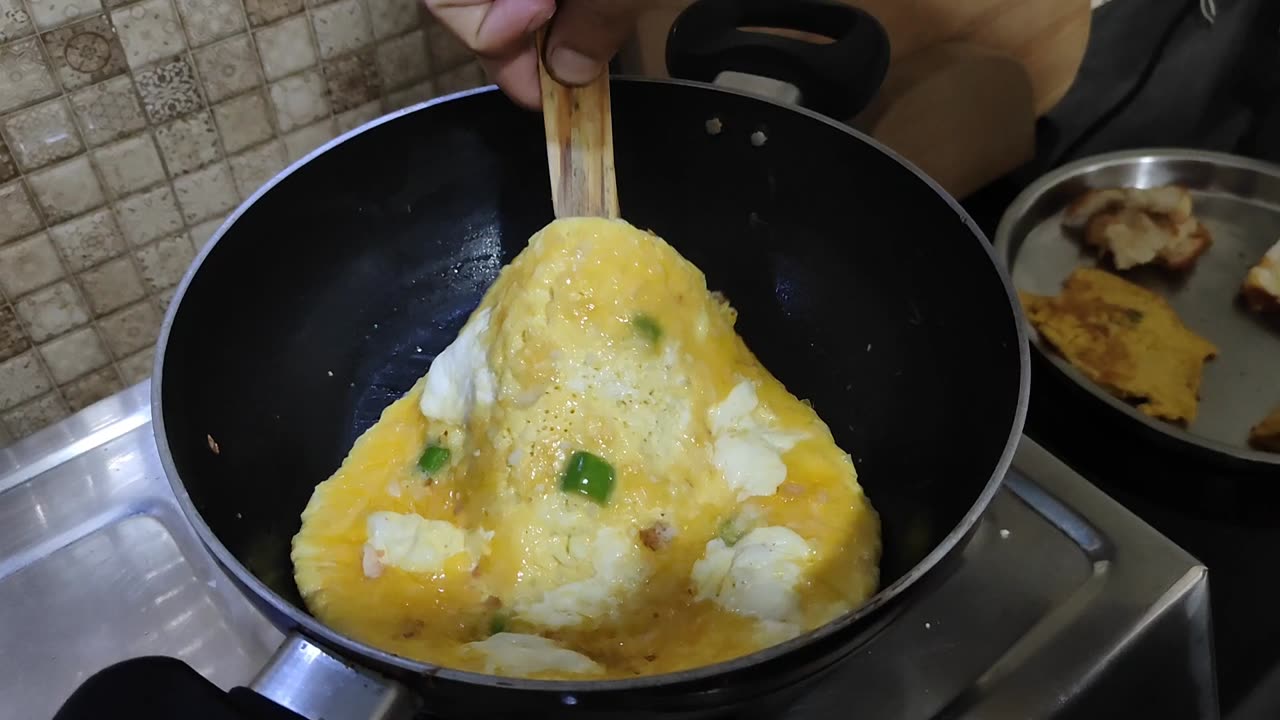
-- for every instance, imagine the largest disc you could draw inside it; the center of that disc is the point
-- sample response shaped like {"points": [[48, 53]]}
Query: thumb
{"points": [[585, 35]]}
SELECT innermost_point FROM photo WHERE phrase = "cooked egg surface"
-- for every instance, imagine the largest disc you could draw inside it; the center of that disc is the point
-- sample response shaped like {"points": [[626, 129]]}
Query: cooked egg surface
{"points": [[596, 479]]}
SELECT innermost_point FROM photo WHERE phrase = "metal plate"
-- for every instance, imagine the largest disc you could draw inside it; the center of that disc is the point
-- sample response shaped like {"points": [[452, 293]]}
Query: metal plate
{"points": [[1239, 200]]}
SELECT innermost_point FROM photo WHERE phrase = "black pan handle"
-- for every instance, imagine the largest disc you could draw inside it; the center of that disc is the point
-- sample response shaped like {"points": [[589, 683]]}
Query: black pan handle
{"points": [[837, 79]]}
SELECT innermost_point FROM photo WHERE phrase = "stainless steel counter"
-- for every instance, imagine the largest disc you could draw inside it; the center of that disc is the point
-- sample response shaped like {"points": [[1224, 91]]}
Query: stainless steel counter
{"points": [[1061, 600]]}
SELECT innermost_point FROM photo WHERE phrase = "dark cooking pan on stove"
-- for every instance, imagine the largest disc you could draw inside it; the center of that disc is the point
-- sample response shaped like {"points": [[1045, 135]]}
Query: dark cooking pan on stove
{"points": [[859, 283]]}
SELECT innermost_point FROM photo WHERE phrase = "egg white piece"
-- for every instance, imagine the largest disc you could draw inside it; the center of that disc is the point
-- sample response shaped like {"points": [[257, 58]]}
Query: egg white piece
{"points": [[519, 654], [746, 451], [757, 576], [415, 544], [459, 378]]}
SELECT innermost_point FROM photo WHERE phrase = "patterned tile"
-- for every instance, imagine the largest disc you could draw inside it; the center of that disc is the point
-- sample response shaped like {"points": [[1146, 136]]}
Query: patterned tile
{"points": [[137, 367], [403, 61], [52, 13], [209, 20], [243, 121], [300, 142], [66, 190], [91, 388], [459, 79], [392, 17], [18, 211], [352, 80], [108, 111], [411, 95], [201, 234], [8, 166], [164, 262], [88, 240], [22, 378], [15, 21], [299, 100], [286, 48], [263, 12], [168, 90], [446, 51], [112, 285], [74, 354], [148, 215], [26, 75], [356, 117], [341, 27], [28, 264], [149, 31], [42, 134], [252, 168], [51, 311], [13, 339], [131, 329], [189, 143], [85, 53], [129, 165], [163, 299], [36, 415], [228, 68], [206, 193]]}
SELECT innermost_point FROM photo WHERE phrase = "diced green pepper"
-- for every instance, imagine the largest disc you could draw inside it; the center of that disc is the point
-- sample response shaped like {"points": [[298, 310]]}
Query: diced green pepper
{"points": [[433, 458], [498, 623], [588, 475], [647, 327], [732, 530]]}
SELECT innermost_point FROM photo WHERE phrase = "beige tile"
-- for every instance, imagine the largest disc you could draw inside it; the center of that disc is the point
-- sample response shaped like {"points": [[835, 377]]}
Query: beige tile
{"points": [[108, 110], [26, 75], [286, 47], [88, 240], [445, 50], [411, 95], [8, 166], [168, 89], [18, 211], [15, 21], [66, 190], [228, 68], [300, 142], [206, 193], [149, 31], [148, 215], [53, 13], [252, 168], [201, 234], [209, 20], [459, 79], [189, 143], [392, 17], [341, 27], [28, 264], [131, 329], [53, 310], [74, 354], [264, 12], [34, 416], [41, 134], [403, 61], [111, 285], [22, 378], [356, 117], [129, 165], [299, 100], [352, 80], [84, 53], [243, 121], [13, 339], [165, 261], [137, 367], [91, 388], [164, 298]]}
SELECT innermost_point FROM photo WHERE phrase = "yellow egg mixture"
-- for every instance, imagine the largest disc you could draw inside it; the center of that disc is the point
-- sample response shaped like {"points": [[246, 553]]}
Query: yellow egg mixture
{"points": [[596, 479]]}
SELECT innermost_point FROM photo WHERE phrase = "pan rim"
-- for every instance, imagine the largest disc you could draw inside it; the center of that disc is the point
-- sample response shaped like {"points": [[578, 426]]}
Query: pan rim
{"points": [[312, 627], [1004, 247]]}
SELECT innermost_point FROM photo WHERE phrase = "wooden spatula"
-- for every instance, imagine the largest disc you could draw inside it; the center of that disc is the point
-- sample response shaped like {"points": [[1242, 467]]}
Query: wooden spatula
{"points": [[579, 127]]}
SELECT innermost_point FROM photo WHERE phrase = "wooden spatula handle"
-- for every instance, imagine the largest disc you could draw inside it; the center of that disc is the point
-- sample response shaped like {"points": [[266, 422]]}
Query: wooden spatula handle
{"points": [[579, 127]]}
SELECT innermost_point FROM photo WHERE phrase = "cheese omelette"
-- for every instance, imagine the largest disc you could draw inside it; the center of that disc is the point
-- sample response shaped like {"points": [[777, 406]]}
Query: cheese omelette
{"points": [[596, 479]]}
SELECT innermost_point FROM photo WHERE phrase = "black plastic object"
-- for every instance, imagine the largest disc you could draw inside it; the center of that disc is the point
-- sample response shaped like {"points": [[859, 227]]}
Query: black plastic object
{"points": [[161, 688], [858, 283], [837, 79]]}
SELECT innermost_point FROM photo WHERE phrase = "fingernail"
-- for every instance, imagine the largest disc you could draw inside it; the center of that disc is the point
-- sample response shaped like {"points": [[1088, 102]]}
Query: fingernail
{"points": [[572, 67], [539, 21]]}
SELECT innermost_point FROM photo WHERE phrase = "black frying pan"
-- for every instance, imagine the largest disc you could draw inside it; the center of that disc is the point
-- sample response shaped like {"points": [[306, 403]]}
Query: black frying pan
{"points": [[858, 282]]}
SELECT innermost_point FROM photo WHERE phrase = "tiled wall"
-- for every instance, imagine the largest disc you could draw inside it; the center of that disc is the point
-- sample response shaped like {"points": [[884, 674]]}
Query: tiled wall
{"points": [[128, 131]]}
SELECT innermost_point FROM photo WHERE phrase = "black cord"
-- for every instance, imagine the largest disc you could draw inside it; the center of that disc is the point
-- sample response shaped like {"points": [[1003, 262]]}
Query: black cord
{"points": [[1148, 70]]}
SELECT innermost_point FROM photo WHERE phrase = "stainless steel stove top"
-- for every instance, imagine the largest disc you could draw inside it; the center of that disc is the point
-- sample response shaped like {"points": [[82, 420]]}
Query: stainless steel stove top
{"points": [[1061, 601]]}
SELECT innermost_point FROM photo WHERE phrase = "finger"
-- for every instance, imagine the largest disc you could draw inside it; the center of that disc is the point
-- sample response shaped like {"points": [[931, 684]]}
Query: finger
{"points": [[493, 28], [585, 35], [517, 76]]}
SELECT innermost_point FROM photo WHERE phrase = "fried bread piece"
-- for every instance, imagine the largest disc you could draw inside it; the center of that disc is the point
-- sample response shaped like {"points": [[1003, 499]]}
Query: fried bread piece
{"points": [[1133, 237], [1266, 434], [1127, 339], [1171, 200], [1261, 288]]}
